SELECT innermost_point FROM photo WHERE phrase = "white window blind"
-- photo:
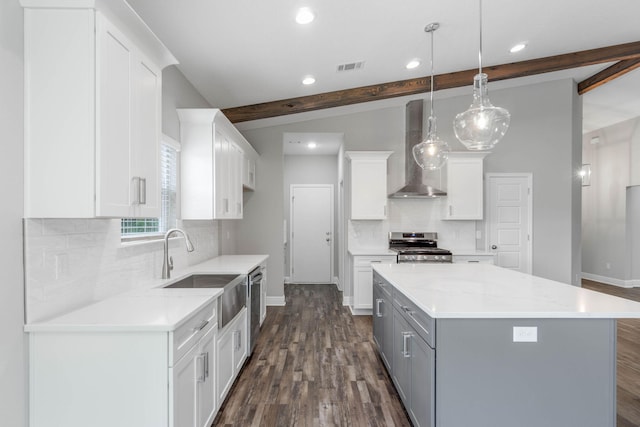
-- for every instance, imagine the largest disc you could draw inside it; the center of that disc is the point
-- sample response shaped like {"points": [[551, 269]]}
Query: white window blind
{"points": [[131, 227]]}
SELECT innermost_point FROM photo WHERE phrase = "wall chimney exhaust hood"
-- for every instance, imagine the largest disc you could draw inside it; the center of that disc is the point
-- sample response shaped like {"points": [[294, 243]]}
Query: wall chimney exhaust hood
{"points": [[420, 184]]}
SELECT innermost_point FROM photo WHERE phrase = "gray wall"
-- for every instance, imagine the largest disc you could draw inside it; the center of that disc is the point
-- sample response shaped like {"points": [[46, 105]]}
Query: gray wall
{"points": [[13, 371], [177, 92], [544, 139], [310, 170], [614, 166]]}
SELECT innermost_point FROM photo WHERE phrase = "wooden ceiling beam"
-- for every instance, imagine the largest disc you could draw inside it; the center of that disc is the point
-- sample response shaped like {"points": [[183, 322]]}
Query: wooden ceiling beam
{"points": [[622, 52], [613, 72]]}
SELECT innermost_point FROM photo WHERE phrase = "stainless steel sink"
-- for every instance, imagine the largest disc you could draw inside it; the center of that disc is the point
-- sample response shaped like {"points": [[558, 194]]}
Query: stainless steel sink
{"points": [[230, 302], [205, 281]]}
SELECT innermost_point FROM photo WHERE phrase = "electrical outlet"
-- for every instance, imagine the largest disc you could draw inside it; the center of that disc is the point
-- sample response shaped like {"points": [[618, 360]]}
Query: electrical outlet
{"points": [[608, 266], [525, 334], [478, 234]]}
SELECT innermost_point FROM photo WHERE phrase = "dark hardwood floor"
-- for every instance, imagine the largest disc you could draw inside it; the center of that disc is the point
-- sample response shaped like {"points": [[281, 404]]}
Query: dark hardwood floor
{"points": [[314, 365], [628, 363]]}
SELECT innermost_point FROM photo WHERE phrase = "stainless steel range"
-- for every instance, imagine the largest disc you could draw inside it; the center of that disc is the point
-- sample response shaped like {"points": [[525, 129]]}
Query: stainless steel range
{"points": [[417, 247]]}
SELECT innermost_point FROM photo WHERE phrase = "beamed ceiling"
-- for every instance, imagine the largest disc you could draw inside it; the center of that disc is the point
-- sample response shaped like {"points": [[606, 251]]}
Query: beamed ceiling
{"points": [[627, 57], [249, 57]]}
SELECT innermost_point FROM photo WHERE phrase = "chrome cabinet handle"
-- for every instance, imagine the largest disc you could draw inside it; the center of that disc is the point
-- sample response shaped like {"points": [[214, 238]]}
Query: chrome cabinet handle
{"points": [[206, 365], [142, 191], [494, 247], [407, 310], [406, 336], [201, 325], [378, 312], [200, 374]]}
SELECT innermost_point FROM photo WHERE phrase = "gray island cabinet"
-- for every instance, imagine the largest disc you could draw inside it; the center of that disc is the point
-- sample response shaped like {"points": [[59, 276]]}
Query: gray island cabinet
{"points": [[478, 345]]}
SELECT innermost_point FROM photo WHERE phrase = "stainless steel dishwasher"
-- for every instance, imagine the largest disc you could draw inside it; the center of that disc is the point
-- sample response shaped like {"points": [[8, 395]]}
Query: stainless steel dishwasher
{"points": [[254, 289]]}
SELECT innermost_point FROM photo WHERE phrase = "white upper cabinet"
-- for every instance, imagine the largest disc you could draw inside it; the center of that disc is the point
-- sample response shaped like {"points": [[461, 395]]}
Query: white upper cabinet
{"points": [[465, 186], [368, 184], [212, 165], [92, 111]]}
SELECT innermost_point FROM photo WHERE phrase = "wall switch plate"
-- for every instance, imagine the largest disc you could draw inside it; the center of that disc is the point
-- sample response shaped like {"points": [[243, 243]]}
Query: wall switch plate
{"points": [[478, 235], [525, 334]]}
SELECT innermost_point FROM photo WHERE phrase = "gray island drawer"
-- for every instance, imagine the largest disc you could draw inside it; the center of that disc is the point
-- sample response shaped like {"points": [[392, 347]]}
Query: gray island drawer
{"points": [[424, 324]]}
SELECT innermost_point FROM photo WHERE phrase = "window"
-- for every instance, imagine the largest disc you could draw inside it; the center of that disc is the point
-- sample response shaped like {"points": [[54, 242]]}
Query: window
{"points": [[140, 228]]}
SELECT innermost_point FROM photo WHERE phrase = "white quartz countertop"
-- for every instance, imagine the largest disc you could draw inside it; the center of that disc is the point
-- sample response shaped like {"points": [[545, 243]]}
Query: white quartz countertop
{"points": [[372, 252], [228, 264], [488, 291], [154, 308], [162, 311], [470, 252]]}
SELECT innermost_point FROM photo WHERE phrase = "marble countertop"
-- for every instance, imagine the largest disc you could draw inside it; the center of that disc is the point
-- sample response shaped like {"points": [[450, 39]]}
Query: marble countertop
{"points": [[471, 252], [154, 308], [372, 252], [488, 291]]}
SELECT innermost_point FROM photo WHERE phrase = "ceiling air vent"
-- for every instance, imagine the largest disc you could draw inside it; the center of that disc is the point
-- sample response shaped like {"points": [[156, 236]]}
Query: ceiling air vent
{"points": [[351, 66]]}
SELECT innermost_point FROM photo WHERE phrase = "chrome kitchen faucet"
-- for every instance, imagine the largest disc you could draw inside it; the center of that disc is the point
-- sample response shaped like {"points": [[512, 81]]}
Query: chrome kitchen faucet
{"points": [[167, 264]]}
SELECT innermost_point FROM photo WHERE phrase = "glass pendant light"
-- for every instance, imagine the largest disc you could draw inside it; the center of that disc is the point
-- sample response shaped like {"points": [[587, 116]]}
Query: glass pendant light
{"points": [[432, 152], [482, 125]]}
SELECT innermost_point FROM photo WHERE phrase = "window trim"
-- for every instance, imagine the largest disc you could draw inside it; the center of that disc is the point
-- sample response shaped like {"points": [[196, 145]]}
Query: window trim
{"points": [[158, 235]]}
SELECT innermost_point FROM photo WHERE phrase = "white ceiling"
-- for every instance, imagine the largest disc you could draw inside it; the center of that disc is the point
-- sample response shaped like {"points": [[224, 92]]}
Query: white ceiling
{"points": [[241, 52], [326, 143]]}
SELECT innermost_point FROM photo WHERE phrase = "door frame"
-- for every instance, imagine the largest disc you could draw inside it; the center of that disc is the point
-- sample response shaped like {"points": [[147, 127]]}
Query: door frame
{"points": [[331, 220], [487, 219]]}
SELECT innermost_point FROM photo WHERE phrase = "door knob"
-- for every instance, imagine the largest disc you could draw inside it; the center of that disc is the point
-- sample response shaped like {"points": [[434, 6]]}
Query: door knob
{"points": [[494, 247]]}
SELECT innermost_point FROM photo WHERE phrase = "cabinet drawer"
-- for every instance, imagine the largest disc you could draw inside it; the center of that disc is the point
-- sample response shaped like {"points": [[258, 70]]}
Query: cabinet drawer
{"points": [[362, 261], [424, 324], [382, 284], [193, 329]]}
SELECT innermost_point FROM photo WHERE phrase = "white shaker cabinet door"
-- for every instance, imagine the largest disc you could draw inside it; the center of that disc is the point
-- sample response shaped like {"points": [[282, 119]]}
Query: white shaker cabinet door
{"points": [[465, 188], [129, 90], [145, 153], [184, 390], [114, 57], [206, 384]]}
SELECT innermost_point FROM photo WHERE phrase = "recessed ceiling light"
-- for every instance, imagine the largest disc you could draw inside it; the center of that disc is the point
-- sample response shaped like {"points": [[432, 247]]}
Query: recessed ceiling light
{"points": [[311, 145], [309, 80], [518, 47], [305, 16], [412, 64]]}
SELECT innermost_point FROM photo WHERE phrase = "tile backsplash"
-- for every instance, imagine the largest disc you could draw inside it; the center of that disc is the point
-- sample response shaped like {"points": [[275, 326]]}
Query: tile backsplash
{"points": [[70, 263], [413, 215]]}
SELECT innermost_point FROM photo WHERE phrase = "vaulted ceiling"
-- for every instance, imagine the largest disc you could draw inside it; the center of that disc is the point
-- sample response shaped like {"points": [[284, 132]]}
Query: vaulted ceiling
{"points": [[249, 57]]}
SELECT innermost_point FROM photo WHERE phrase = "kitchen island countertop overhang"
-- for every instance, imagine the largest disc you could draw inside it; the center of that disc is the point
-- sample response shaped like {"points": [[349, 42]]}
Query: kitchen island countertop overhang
{"points": [[488, 291]]}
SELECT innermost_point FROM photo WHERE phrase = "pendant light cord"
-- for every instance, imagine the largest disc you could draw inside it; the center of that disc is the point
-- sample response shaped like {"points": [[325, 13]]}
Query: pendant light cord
{"points": [[431, 85], [480, 49]]}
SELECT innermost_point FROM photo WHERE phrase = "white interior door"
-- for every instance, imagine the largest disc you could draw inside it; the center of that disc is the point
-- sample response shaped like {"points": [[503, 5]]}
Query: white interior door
{"points": [[509, 214], [311, 233]]}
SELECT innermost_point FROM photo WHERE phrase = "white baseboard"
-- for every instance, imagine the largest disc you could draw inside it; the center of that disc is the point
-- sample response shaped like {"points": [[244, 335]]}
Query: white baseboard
{"points": [[347, 301], [276, 301], [612, 281], [287, 279], [360, 311], [336, 282]]}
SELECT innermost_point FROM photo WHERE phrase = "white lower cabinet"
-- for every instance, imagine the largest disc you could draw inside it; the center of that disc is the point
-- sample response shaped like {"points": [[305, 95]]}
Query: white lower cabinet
{"points": [[194, 398], [232, 352], [362, 279], [105, 377]]}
